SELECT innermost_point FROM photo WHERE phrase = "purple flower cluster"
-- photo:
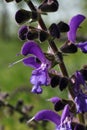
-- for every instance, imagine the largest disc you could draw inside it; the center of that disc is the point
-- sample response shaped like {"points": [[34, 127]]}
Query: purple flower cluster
{"points": [[43, 63], [35, 58]]}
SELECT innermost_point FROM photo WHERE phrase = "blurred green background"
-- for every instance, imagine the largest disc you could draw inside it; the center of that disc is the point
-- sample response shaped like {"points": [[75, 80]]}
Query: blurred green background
{"points": [[15, 79]]}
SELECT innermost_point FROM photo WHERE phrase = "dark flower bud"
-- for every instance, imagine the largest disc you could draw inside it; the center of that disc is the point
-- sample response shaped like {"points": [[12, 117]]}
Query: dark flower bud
{"points": [[23, 32], [54, 30], [49, 6], [63, 27], [59, 105], [32, 35], [9, 0], [63, 83], [42, 36], [22, 16], [84, 73], [69, 48], [18, 1], [79, 127], [55, 81]]}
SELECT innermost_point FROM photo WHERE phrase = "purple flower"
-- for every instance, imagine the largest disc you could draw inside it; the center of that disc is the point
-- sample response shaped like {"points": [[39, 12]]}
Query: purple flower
{"points": [[74, 25], [81, 102], [23, 32], [36, 59], [80, 97], [61, 122], [82, 46]]}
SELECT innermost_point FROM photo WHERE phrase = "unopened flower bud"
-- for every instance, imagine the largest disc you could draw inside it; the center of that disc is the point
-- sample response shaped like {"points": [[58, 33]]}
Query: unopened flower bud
{"points": [[23, 32], [18, 1], [69, 48], [22, 16], [8, 0], [54, 30], [42, 36], [59, 105], [63, 27], [32, 35], [63, 83], [49, 6], [55, 81]]}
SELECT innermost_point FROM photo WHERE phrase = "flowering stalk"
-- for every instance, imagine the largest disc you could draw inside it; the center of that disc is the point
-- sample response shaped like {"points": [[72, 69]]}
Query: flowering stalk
{"points": [[43, 63], [58, 56], [57, 53]]}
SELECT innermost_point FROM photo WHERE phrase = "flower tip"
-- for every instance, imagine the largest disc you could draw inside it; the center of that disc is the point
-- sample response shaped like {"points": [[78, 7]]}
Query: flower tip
{"points": [[30, 120]]}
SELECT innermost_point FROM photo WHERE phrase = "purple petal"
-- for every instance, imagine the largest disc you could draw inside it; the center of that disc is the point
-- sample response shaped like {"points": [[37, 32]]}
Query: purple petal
{"points": [[54, 99], [81, 102], [74, 24], [39, 77], [82, 46], [65, 113], [31, 61], [31, 47], [37, 89], [48, 115], [79, 79], [23, 32]]}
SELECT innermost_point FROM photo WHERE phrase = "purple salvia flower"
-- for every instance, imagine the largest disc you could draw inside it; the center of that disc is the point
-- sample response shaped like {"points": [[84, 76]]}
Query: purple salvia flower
{"points": [[63, 122], [74, 25], [79, 80], [80, 97], [33, 48], [81, 102], [82, 46], [38, 61]]}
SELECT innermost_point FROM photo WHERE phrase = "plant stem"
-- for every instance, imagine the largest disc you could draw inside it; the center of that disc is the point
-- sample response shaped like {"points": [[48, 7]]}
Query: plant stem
{"points": [[58, 55]]}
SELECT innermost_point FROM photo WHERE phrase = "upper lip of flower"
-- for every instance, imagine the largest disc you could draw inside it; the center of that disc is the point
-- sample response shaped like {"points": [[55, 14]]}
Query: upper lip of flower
{"points": [[52, 116], [31, 48], [74, 25]]}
